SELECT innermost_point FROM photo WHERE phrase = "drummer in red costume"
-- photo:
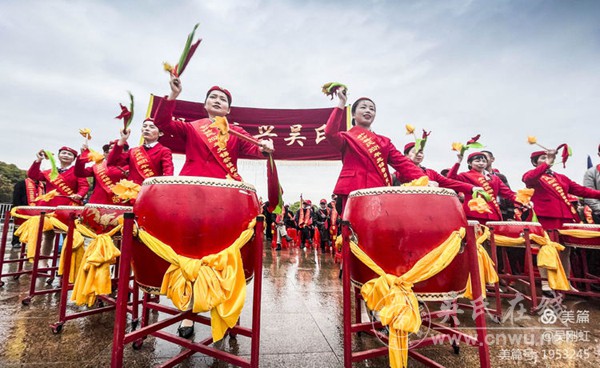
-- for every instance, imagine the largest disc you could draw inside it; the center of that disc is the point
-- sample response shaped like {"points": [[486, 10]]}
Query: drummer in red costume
{"points": [[365, 155], [552, 205], [69, 187], [105, 177], [477, 175], [150, 159], [442, 181], [202, 156]]}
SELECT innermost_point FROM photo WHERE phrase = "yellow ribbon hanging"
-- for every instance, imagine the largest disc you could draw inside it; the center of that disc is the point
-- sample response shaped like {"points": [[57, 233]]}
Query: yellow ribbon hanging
{"points": [[547, 257], [394, 298], [215, 283], [27, 231], [93, 277], [77, 249], [487, 271], [578, 233]]}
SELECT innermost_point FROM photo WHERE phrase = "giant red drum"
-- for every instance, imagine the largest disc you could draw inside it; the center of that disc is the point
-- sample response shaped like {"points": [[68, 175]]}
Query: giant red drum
{"points": [[581, 242], [102, 218], [30, 211], [196, 216], [62, 213], [514, 229], [397, 226]]}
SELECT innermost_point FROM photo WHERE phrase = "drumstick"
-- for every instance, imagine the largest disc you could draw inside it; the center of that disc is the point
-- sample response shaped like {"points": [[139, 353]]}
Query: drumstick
{"points": [[245, 137], [223, 126]]}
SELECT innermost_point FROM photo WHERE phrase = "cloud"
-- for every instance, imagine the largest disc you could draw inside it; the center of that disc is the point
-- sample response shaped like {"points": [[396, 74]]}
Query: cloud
{"points": [[503, 69]]}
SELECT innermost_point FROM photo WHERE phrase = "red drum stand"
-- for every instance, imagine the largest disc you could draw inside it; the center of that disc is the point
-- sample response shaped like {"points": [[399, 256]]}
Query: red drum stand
{"points": [[584, 245], [37, 271], [120, 338], [131, 307], [528, 278], [372, 328], [20, 260]]}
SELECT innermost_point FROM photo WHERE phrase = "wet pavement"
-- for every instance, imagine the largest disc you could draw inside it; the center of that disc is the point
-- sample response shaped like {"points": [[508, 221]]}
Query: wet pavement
{"points": [[301, 327]]}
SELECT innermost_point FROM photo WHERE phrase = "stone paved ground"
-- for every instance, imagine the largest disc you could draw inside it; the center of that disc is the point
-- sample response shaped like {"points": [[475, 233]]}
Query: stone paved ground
{"points": [[301, 327]]}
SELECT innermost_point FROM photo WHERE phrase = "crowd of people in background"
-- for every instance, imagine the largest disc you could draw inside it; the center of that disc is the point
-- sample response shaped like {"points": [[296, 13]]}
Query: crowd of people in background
{"points": [[307, 221]]}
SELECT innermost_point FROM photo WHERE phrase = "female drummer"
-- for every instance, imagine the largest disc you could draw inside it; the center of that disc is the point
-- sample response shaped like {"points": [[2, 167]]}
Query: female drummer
{"points": [[104, 176], [552, 205], [204, 158], [150, 159], [69, 187], [365, 154], [477, 162], [442, 181]]}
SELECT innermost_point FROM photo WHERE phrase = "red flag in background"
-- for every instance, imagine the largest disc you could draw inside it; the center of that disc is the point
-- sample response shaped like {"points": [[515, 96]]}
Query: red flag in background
{"points": [[274, 190]]}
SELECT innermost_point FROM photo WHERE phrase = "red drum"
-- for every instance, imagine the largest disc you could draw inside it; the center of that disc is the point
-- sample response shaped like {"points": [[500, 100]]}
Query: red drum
{"points": [[62, 213], [102, 218], [514, 229], [397, 226], [195, 216], [31, 211], [581, 242]]}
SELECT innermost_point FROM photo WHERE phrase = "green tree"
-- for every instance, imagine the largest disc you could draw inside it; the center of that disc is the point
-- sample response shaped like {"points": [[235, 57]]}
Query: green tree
{"points": [[9, 175]]}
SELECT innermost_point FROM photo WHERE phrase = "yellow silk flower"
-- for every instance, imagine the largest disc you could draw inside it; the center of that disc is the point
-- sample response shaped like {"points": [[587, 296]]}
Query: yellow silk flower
{"points": [[86, 133], [46, 197], [457, 146], [223, 126], [94, 156], [524, 195], [126, 189], [479, 205], [423, 181], [409, 129], [531, 139]]}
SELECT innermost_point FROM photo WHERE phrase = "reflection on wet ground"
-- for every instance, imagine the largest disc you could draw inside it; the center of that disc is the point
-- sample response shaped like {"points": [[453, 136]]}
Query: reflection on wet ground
{"points": [[301, 327]]}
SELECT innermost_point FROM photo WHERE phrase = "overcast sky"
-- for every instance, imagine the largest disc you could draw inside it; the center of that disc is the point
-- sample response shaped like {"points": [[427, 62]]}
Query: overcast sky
{"points": [[504, 69]]}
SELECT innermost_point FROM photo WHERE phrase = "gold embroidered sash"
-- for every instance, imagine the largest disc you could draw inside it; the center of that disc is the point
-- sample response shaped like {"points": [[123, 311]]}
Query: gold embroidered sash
{"points": [[62, 187], [367, 141], [142, 162], [554, 186], [32, 190], [210, 137], [105, 182]]}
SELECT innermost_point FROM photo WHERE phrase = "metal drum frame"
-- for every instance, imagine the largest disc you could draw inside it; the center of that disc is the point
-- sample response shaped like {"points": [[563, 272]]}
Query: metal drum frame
{"points": [[121, 338]]}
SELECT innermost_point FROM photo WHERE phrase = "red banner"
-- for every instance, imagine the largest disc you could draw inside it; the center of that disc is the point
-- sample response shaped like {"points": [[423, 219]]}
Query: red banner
{"points": [[297, 134]]}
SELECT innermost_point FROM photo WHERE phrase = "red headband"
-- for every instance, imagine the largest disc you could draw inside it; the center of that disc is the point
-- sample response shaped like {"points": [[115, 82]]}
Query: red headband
{"points": [[68, 149], [408, 147], [537, 154], [217, 88], [475, 154]]}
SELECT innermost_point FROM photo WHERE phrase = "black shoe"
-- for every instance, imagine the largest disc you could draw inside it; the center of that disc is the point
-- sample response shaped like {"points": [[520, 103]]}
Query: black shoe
{"points": [[185, 332], [288, 238], [302, 246], [322, 250], [278, 247]]}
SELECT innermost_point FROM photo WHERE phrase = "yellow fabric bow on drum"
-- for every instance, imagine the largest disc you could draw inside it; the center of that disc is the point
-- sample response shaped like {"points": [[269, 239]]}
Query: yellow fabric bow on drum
{"points": [[214, 283], [93, 277], [547, 257], [27, 231], [77, 249], [394, 298], [487, 271]]}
